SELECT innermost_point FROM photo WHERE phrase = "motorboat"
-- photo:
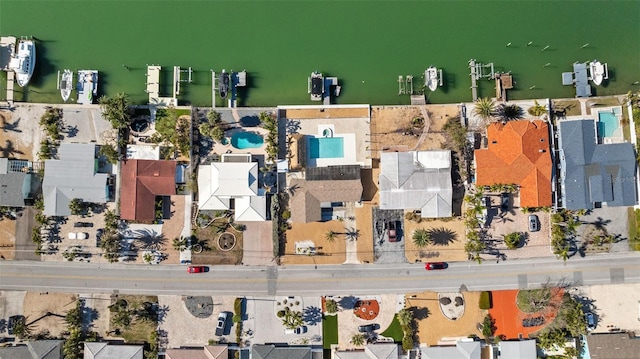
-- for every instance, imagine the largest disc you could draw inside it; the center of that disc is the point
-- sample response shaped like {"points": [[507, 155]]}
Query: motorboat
{"points": [[24, 61], [316, 86], [223, 84], [87, 86], [66, 84], [598, 72], [431, 78]]}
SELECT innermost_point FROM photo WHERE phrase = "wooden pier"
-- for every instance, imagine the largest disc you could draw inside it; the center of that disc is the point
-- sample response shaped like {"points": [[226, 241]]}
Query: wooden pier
{"points": [[477, 73], [153, 86], [10, 82], [474, 78], [504, 82]]}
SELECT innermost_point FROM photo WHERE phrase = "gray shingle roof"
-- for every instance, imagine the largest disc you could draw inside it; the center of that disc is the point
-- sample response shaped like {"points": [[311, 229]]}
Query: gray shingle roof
{"points": [[72, 176], [417, 180], [594, 172], [112, 351], [35, 349], [613, 346], [273, 352]]}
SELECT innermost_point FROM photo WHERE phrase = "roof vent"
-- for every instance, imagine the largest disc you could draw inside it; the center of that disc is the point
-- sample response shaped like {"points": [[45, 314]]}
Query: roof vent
{"points": [[542, 150], [542, 140], [494, 141]]}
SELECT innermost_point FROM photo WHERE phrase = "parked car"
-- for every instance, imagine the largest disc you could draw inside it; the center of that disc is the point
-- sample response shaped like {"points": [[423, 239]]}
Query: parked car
{"points": [[591, 321], [197, 269], [534, 223], [78, 235], [504, 202], [99, 234], [435, 265], [298, 330], [368, 328], [82, 224], [222, 323], [393, 231]]}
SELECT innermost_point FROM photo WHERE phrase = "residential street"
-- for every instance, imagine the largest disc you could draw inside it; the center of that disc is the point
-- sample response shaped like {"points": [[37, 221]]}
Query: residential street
{"points": [[326, 280]]}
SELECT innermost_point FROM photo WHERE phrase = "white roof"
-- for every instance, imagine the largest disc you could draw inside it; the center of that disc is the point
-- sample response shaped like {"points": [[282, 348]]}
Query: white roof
{"points": [[462, 350], [251, 208], [143, 152], [522, 349], [417, 180]]}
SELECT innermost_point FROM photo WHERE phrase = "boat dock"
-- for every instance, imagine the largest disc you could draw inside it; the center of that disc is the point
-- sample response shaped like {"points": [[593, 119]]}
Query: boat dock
{"points": [[7, 51], [504, 82], [579, 79], [153, 86], [87, 86], [328, 82], [477, 73]]}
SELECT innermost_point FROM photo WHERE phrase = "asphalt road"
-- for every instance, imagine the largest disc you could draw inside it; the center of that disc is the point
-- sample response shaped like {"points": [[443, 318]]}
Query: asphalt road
{"points": [[307, 281]]}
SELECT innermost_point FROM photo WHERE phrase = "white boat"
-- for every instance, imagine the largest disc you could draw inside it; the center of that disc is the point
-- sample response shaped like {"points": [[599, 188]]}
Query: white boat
{"points": [[87, 86], [598, 72], [431, 78], [24, 61], [316, 86], [66, 84]]}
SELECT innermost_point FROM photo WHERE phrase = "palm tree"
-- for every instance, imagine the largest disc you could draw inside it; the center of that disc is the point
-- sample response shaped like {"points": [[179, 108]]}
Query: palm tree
{"points": [[330, 235], [292, 319], [352, 234], [421, 238], [509, 112], [180, 244], [405, 317], [358, 339], [115, 109], [331, 306], [537, 109], [21, 329], [485, 108]]}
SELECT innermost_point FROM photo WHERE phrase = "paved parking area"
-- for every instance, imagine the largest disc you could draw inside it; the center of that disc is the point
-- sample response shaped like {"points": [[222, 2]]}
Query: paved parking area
{"points": [[385, 251], [265, 327], [85, 124], [614, 220], [11, 303], [257, 243]]}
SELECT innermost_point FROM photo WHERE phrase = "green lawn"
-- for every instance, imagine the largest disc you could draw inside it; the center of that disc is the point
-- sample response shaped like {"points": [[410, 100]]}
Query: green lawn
{"points": [[634, 229], [394, 330], [329, 331]]}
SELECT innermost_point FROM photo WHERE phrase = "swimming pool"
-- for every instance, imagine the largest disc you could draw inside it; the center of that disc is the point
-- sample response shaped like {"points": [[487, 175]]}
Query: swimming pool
{"points": [[242, 140], [607, 124], [326, 147]]}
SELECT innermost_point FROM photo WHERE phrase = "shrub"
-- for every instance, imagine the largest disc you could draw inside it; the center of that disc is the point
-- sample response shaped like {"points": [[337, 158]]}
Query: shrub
{"points": [[237, 306], [485, 300], [407, 342], [286, 214], [280, 313], [512, 240]]}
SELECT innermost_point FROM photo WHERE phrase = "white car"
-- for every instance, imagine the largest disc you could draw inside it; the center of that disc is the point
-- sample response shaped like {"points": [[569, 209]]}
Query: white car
{"points": [[78, 235], [298, 330]]}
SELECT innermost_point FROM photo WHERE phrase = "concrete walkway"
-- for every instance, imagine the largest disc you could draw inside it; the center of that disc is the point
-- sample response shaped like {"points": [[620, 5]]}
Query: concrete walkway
{"points": [[352, 244]]}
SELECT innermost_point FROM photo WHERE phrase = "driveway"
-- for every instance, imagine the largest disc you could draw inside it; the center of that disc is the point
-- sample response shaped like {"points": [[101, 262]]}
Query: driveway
{"points": [[85, 124], [614, 220], [257, 244], [265, 327], [385, 251], [11, 303], [25, 248]]}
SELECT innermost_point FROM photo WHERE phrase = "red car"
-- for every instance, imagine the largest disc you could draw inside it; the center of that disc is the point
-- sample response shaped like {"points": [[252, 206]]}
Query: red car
{"points": [[197, 269], [435, 265]]}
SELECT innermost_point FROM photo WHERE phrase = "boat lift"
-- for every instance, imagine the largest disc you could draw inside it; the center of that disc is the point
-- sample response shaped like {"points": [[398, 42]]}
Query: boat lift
{"points": [[409, 84], [477, 73], [401, 86]]}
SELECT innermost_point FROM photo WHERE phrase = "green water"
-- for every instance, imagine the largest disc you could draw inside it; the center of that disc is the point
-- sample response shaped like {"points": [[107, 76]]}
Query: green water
{"points": [[367, 44]]}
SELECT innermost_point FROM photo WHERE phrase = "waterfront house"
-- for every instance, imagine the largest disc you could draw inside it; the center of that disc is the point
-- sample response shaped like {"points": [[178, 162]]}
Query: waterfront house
{"points": [[323, 191], [232, 184], [72, 176], [591, 173], [517, 152], [416, 180], [141, 182]]}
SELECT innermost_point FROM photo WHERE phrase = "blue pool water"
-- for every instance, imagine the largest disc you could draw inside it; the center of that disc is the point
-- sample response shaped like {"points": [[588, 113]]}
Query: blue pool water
{"points": [[242, 140], [326, 147], [607, 124]]}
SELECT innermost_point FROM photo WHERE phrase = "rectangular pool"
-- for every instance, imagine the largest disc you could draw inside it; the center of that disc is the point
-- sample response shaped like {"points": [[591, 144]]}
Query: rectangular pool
{"points": [[607, 124], [326, 147]]}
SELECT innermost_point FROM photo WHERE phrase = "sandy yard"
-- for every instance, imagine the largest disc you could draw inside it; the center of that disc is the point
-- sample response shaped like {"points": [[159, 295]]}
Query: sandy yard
{"points": [[433, 325], [454, 251], [7, 239], [614, 306], [388, 123], [37, 307], [328, 252], [21, 133]]}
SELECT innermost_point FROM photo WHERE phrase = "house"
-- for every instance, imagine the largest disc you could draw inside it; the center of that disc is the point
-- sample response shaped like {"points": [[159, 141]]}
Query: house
{"points": [[416, 180], [593, 173], [323, 188], [518, 152], [34, 349], [521, 349], [72, 176], [232, 184], [462, 350], [110, 351], [15, 182], [208, 352], [280, 352], [141, 181], [613, 346], [371, 351]]}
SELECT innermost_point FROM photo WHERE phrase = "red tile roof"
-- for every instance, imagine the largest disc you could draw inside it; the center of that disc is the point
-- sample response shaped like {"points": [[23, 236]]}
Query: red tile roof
{"points": [[141, 181], [518, 152]]}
